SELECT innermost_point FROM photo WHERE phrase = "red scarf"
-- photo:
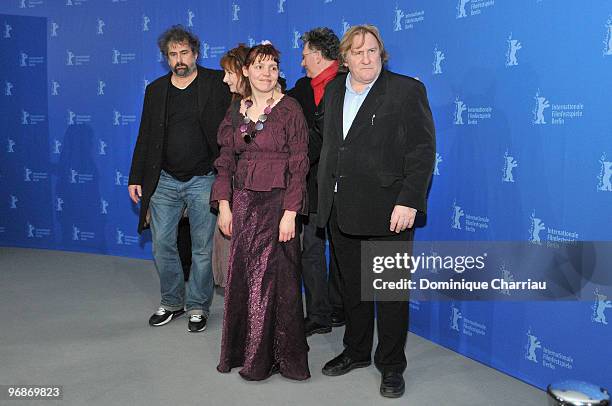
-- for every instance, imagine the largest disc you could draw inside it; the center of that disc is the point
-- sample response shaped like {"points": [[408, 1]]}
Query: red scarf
{"points": [[319, 82]]}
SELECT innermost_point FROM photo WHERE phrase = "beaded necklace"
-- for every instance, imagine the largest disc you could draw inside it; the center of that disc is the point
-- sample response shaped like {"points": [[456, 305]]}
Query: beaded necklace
{"points": [[259, 125]]}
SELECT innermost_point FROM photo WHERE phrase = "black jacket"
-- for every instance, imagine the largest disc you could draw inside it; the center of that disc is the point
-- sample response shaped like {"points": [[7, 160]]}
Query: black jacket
{"points": [[213, 101], [387, 158], [303, 93]]}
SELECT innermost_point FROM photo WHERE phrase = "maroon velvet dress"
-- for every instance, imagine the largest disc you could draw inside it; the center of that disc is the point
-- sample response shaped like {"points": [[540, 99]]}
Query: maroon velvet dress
{"points": [[263, 327]]}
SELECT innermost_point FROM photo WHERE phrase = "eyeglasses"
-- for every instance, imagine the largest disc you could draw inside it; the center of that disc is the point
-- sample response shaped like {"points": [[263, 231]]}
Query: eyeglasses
{"points": [[308, 53]]}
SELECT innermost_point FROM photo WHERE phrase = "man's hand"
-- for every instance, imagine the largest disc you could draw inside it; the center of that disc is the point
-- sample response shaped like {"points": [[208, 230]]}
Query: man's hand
{"points": [[286, 228], [402, 218], [224, 219], [135, 192]]}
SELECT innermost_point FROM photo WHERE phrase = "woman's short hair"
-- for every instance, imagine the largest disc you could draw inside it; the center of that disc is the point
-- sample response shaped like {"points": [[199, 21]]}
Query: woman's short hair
{"points": [[258, 53]]}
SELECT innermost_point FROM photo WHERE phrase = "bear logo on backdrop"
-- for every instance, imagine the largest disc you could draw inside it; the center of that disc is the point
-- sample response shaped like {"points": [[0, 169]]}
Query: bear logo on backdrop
{"points": [[456, 216], [235, 10], [101, 25], [533, 344], [461, 13], [460, 108], [437, 164], [397, 21], [145, 23], [599, 308], [605, 175], [54, 28], [608, 38], [541, 104], [295, 41], [438, 58], [56, 147], [281, 6], [513, 47], [537, 225], [7, 30], [59, 204], [10, 145], [455, 317], [13, 202], [509, 164], [55, 88], [8, 89]]}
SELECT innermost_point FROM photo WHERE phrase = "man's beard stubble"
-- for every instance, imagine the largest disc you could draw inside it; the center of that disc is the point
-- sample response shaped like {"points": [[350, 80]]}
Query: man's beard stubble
{"points": [[184, 71]]}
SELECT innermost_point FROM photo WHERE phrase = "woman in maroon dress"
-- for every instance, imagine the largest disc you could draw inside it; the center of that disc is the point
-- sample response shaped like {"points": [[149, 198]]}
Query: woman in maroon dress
{"points": [[261, 186]]}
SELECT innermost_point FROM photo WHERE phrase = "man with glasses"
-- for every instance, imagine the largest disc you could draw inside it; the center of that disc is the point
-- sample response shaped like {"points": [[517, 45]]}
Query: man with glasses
{"points": [[323, 301], [172, 172], [374, 171]]}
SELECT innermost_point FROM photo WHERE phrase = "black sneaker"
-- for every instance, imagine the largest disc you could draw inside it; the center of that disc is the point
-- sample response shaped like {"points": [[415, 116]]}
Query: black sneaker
{"points": [[163, 316], [197, 323]]}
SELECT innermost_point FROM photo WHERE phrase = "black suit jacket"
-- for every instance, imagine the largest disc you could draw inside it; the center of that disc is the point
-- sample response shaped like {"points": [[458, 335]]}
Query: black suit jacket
{"points": [[387, 157], [213, 101], [303, 93]]}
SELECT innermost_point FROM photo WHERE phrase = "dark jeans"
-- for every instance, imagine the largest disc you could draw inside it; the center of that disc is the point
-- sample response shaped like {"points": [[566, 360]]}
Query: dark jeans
{"points": [[392, 317]]}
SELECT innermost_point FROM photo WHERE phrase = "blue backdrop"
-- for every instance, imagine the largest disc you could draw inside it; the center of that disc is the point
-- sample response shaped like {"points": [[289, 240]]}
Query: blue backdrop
{"points": [[520, 93]]}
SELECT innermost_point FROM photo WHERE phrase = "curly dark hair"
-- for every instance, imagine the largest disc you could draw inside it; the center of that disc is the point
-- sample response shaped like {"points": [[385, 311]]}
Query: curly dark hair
{"points": [[323, 39], [178, 34]]}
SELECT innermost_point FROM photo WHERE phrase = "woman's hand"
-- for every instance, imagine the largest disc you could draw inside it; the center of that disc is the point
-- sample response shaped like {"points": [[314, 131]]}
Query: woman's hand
{"points": [[286, 228], [224, 219]]}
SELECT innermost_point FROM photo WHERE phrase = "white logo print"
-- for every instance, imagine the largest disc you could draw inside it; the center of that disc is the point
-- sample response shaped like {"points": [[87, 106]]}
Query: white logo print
{"points": [[537, 225], [455, 317], [235, 10], [102, 147], [116, 55], [73, 176], [296, 38], [9, 146], [23, 59], [69, 58], [25, 117], [205, 49], [71, 116], [397, 22], [75, 233], [599, 308], [605, 175], [8, 89], [118, 178], [101, 25], [532, 345], [103, 206], [608, 38], [120, 236], [54, 88], [190, 16], [22, 4], [460, 108], [438, 58], [456, 217], [13, 202], [513, 46], [541, 104], [7, 30], [31, 228], [461, 8], [281, 6], [57, 145], [345, 26], [145, 23], [27, 175], [437, 167], [54, 28], [509, 164], [59, 204], [116, 117], [101, 86]]}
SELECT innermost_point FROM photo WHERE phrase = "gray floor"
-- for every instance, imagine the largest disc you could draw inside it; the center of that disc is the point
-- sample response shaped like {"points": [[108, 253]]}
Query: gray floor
{"points": [[80, 321]]}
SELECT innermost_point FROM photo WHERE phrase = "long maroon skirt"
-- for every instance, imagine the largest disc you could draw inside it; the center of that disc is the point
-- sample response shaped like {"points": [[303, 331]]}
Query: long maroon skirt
{"points": [[263, 326]]}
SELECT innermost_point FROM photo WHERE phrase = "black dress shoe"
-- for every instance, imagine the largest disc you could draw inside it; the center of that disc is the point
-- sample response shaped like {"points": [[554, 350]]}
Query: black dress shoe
{"points": [[337, 320], [392, 384], [343, 364], [312, 327]]}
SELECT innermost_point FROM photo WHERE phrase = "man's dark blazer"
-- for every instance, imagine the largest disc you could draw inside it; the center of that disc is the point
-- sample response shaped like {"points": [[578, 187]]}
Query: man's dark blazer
{"points": [[387, 157], [213, 102], [303, 93]]}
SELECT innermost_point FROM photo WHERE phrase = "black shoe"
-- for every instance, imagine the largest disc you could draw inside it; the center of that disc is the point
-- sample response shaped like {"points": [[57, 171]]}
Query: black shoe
{"points": [[392, 384], [337, 320], [312, 327], [343, 364], [197, 323], [163, 316]]}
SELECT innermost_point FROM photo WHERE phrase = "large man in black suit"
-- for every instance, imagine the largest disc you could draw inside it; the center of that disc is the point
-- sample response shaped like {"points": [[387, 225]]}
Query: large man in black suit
{"points": [[374, 172], [172, 172]]}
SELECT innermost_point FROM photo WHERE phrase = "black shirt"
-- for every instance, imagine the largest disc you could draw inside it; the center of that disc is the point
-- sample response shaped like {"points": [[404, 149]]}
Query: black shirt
{"points": [[186, 153]]}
